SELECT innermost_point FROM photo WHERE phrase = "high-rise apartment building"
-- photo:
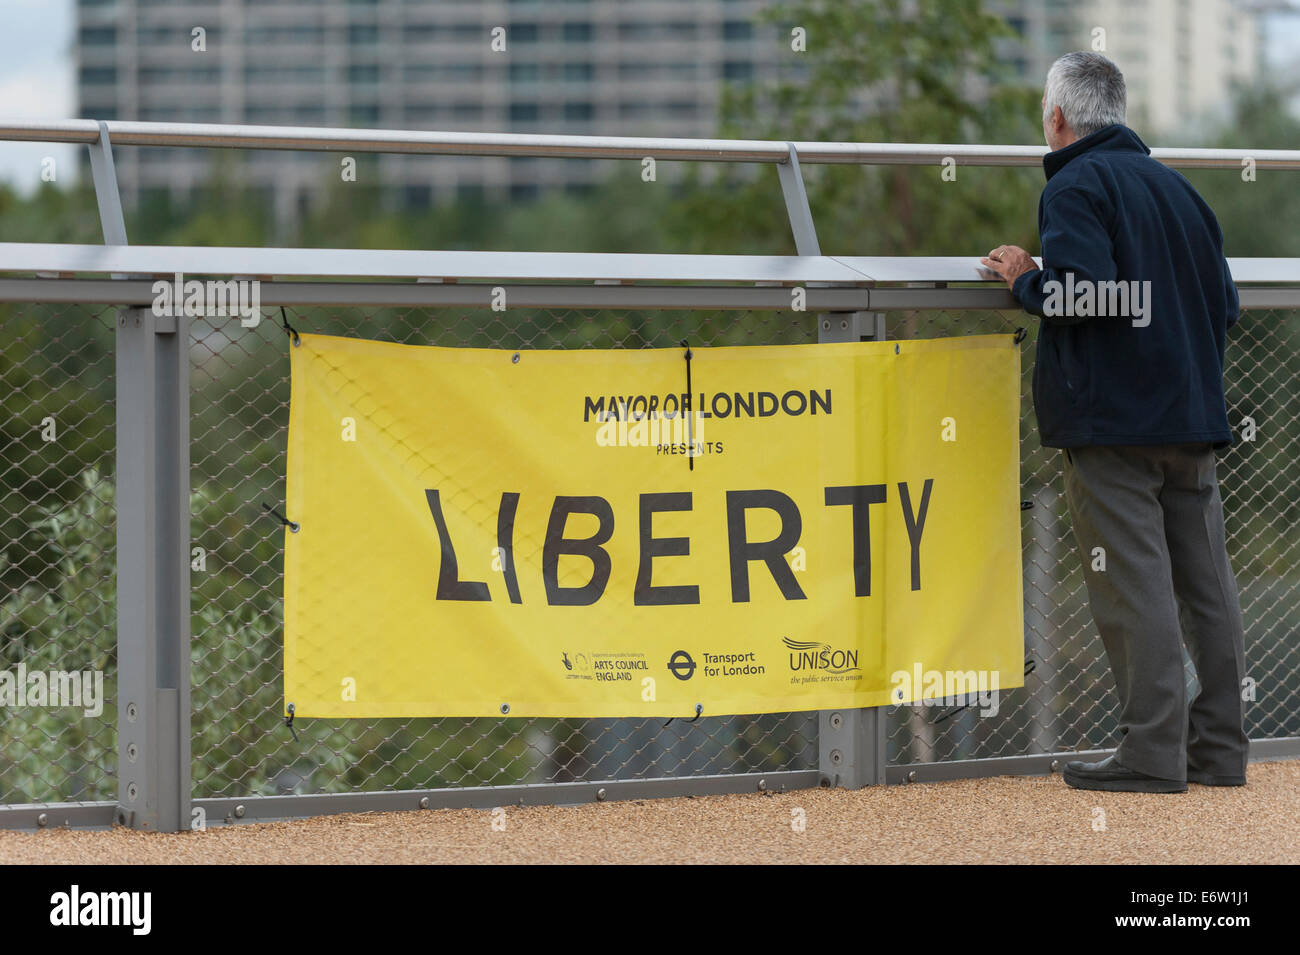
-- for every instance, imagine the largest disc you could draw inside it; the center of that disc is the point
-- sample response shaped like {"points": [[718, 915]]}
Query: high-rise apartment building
{"points": [[1180, 58], [653, 67], [608, 67]]}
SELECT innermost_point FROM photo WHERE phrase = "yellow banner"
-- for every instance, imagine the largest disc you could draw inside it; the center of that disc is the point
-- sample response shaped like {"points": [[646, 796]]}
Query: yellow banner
{"points": [[489, 532]]}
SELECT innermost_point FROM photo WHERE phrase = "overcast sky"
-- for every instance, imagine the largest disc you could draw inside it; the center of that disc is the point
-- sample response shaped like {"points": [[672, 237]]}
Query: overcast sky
{"points": [[37, 82]]}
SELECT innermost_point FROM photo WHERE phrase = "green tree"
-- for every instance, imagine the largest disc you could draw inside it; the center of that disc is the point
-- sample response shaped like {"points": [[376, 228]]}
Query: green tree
{"points": [[1257, 212], [878, 71]]}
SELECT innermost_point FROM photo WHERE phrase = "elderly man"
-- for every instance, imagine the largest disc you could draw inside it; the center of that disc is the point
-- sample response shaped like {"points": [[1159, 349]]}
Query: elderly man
{"points": [[1136, 299]]}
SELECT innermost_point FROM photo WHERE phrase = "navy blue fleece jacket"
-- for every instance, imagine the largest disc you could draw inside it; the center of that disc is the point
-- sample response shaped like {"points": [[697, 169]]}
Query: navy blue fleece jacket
{"points": [[1152, 374]]}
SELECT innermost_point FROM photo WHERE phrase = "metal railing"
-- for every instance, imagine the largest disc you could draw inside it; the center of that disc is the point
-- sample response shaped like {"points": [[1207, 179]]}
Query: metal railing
{"points": [[149, 493], [131, 133]]}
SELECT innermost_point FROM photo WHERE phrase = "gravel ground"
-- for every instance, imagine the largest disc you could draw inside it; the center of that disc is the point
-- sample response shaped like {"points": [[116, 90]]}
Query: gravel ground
{"points": [[1001, 820]]}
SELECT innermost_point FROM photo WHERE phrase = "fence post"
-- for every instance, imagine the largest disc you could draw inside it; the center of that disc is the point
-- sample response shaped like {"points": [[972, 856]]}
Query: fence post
{"points": [[153, 545], [851, 743], [152, 423], [153, 570]]}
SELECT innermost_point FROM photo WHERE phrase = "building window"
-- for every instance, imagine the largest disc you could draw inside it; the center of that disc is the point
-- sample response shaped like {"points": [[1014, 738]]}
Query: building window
{"points": [[98, 36], [98, 75], [278, 34], [417, 197], [635, 30], [261, 73]]}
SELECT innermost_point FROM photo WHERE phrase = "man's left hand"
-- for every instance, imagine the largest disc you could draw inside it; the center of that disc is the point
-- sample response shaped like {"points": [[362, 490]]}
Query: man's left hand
{"points": [[1009, 262]]}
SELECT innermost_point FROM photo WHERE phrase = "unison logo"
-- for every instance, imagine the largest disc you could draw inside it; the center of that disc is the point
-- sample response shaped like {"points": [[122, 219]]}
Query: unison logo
{"points": [[820, 656], [75, 907]]}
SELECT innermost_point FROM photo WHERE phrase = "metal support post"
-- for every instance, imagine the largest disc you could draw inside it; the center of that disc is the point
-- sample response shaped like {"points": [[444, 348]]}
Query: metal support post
{"points": [[153, 571], [851, 744], [153, 549]]}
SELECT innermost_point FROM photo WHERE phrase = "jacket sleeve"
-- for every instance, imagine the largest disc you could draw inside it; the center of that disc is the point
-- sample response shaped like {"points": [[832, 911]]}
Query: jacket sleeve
{"points": [[1074, 239], [1234, 301]]}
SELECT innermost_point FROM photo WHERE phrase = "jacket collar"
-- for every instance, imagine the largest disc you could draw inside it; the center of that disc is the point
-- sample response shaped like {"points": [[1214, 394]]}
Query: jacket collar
{"points": [[1108, 138]]}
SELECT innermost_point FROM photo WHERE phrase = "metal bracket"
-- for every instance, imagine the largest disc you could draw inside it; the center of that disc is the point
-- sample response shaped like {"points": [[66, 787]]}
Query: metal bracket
{"points": [[851, 327], [104, 175], [796, 205], [851, 747]]}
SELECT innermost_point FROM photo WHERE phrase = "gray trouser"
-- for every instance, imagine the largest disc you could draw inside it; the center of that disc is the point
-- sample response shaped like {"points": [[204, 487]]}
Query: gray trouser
{"points": [[1156, 514]]}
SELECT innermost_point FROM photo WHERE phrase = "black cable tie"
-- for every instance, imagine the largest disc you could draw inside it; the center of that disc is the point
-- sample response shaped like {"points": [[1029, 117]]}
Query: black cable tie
{"points": [[293, 334], [699, 708], [690, 418], [1020, 335], [292, 525], [1026, 505], [289, 723]]}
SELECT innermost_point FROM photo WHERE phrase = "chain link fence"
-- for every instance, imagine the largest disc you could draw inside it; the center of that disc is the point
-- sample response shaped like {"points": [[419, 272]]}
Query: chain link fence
{"points": [[58, 611], [57, 535], [239, 421], [1068, 702]]}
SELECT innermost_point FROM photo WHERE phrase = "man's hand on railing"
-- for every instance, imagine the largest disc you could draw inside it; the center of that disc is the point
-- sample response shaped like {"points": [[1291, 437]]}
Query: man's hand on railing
{"points": [[1009, 262]]}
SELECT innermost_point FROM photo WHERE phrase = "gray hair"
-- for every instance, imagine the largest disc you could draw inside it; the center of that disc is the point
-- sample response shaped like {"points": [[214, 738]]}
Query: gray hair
{"points": [[1089, 89]]}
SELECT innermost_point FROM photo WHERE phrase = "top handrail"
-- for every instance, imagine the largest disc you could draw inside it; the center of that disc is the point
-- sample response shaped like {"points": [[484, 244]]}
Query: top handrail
{"points": [[216, 135]]}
